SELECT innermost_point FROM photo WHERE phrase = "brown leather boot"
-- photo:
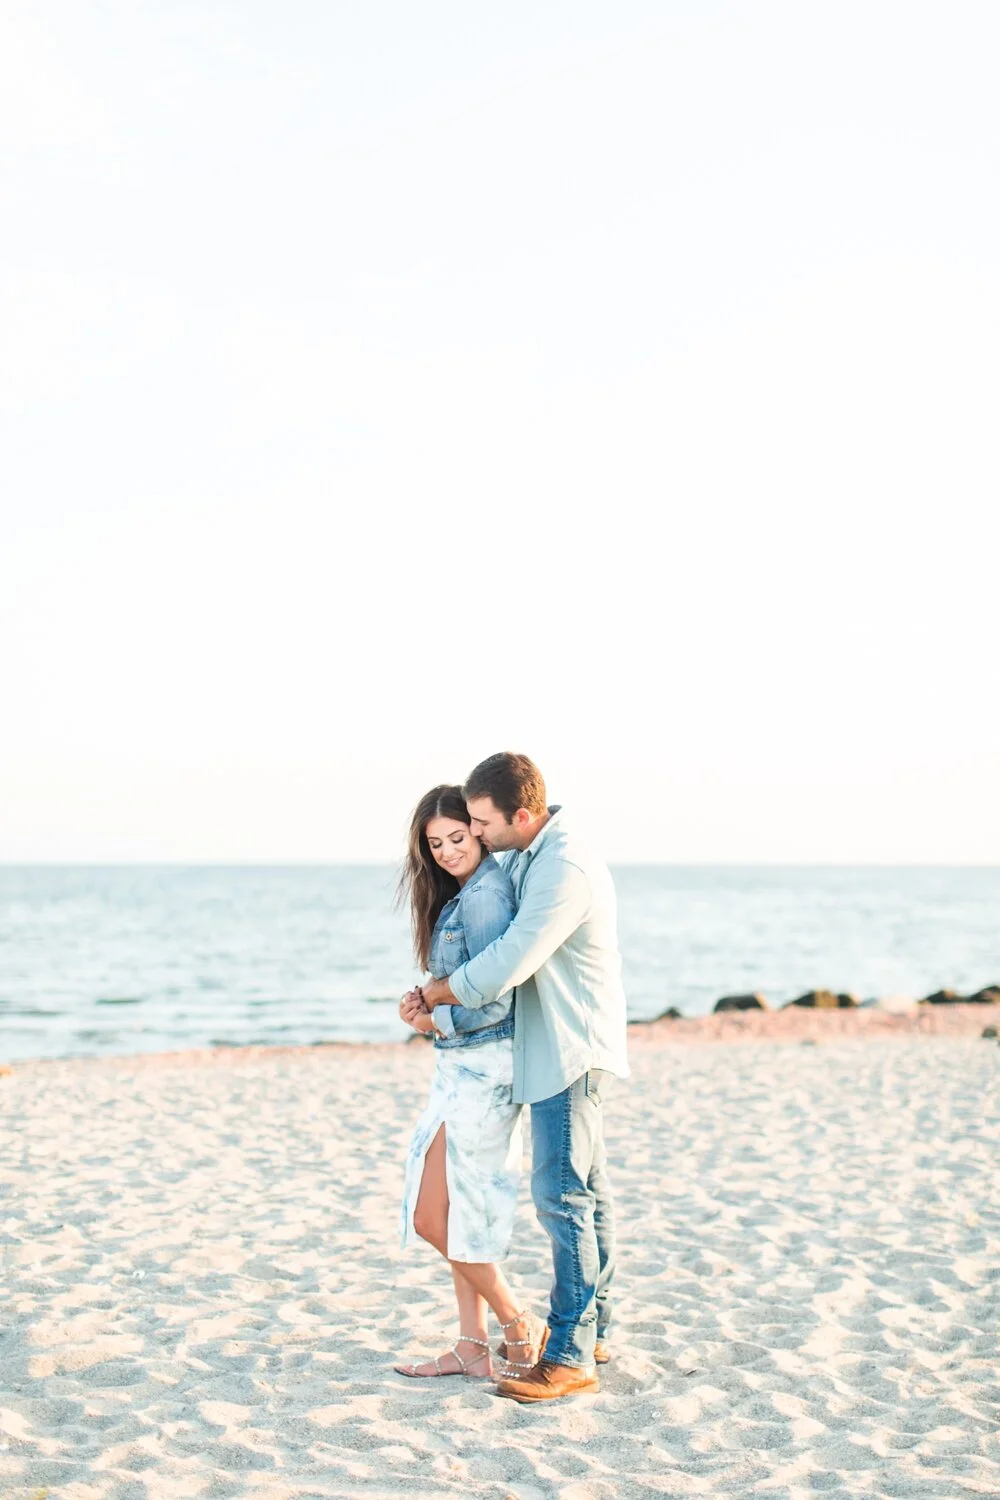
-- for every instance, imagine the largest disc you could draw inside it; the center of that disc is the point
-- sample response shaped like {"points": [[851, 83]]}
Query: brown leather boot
{"points": [[545, 1382], [601, 1354]]}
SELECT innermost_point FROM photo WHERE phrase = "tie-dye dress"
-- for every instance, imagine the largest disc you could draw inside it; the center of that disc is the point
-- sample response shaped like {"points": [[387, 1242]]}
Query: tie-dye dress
{"points": [[472, 1088]]}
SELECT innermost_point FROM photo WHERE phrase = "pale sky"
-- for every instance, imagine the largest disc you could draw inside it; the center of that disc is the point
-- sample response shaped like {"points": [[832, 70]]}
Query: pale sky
{"points": [[383, 385]]}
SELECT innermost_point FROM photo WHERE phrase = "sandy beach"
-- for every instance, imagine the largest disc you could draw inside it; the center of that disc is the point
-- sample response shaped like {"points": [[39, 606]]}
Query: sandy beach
{"points": [[203, 1294]]}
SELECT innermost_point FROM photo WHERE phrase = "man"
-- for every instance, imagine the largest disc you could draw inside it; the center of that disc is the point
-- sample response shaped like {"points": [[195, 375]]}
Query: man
{"points": [[561, 954]]}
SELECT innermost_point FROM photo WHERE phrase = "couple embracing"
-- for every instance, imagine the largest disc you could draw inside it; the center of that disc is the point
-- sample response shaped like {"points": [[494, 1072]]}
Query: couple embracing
{"points": [[526, 1006]]}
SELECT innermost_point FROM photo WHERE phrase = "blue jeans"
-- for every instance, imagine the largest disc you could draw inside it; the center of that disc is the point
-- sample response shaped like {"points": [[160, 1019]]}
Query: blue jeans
{"points": [[569, 1184]]}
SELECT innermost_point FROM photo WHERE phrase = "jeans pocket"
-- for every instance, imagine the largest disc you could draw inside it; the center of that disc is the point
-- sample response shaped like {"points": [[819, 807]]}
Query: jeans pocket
{"points": [[597, 1082]]}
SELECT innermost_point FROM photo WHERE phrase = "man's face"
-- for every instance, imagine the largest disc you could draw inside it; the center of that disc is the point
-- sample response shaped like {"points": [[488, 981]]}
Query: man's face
{"points": [[490, 825]]}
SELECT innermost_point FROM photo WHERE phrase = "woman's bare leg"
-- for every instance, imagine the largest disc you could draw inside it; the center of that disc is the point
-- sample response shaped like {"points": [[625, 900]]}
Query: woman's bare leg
{"points": [[430, 1214], [473, 1312], [477, 1283]]}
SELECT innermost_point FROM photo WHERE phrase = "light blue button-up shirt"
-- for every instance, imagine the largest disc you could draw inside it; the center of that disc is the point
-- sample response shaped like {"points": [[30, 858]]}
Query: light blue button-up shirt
{"points": [[561, 954]]}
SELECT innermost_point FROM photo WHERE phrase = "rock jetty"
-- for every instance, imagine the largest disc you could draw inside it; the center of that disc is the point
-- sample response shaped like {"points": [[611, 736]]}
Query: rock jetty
{"points": [[824, 1000], [741, 1002]]}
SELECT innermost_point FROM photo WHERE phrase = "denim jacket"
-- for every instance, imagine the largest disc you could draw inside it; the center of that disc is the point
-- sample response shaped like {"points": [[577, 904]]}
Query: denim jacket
{"points": [[480, 913]]}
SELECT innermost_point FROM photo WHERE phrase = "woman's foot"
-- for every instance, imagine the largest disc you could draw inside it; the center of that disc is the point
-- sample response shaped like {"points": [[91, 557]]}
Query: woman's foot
{"points": [[524, 1341], [467, 1356]]}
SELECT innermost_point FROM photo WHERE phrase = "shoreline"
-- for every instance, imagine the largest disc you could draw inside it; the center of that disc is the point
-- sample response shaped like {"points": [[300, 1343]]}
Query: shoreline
{"points": [[793, 1024]]}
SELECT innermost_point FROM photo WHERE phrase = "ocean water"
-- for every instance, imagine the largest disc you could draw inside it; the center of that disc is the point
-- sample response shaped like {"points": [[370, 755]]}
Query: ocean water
{"points": [[119, 959]]}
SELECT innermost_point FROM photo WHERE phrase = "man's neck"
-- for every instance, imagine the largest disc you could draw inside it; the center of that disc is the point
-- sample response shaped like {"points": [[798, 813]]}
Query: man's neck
{"points": [[533, 830]]}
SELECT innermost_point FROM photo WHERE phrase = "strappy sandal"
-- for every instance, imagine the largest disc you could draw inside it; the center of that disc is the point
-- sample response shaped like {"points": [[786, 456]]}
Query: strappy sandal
{"points": [[465, 1364], [515, 1369]]}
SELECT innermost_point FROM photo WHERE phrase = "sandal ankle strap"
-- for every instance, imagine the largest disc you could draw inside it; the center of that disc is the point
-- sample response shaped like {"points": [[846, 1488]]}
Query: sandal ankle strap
{"points": [[515, 1368], [521, 1317], [466, 1364]]}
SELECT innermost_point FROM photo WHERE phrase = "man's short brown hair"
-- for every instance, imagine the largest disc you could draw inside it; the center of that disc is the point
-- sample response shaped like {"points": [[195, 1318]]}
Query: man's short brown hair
{"points": [[512, 781]]}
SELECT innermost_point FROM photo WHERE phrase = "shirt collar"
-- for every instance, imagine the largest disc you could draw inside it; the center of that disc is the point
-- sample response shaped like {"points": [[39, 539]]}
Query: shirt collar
{"points": [[542, 833]]}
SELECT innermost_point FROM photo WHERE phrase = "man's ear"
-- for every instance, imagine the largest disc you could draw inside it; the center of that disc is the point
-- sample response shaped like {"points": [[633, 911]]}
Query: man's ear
{"points": [[522, 817]]}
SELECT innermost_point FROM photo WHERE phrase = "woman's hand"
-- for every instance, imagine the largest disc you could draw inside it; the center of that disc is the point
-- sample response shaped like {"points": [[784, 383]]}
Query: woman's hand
{"points": [[412, 1008], [424, 1022]]}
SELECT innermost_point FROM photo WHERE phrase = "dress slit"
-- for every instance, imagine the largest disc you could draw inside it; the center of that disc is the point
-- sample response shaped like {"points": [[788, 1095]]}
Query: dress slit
{"points": [[471, 1098], [417, 1180]]}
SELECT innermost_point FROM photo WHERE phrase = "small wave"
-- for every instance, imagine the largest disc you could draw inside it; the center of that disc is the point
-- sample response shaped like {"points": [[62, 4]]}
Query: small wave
{"points": [[120, 999]]}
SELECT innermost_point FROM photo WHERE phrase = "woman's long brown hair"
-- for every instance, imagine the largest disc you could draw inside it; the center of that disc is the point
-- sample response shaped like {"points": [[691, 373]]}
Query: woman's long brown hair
{"points": [[427, 886]]}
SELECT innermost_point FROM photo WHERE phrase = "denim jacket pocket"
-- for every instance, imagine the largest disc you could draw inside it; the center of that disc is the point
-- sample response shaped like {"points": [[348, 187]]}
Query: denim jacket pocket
{"points": [[448, 950]]}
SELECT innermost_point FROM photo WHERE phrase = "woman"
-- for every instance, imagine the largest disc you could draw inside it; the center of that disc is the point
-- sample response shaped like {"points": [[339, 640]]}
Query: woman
{"points": [[464, 1162]]}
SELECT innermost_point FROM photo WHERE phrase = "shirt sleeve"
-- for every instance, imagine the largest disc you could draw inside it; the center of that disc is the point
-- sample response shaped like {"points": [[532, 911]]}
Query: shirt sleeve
{"points": [[486, 914], [555, 900], [443, 1019]]}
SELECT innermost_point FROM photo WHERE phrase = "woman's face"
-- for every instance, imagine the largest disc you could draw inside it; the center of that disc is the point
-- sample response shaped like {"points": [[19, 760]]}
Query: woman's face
{"points": [[453, 846]]}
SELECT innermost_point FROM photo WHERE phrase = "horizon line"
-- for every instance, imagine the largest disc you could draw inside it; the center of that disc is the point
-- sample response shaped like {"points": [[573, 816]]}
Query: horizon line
{"points": [[660, 864]]}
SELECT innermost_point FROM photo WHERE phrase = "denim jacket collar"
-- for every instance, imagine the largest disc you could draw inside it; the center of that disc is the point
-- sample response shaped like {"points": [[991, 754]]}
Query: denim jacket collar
{"points": [[487, 863]]}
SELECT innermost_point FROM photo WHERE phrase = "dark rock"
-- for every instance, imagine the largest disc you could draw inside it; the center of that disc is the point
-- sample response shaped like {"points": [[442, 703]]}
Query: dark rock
{"points": [[741, 1002], [990, 1033], [670, 1014], [823, 1000], [989, 996], [943, 997]]}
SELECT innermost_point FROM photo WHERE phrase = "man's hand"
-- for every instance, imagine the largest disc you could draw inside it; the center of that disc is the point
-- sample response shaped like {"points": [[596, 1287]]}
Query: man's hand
{"points": [[438, 992]]}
